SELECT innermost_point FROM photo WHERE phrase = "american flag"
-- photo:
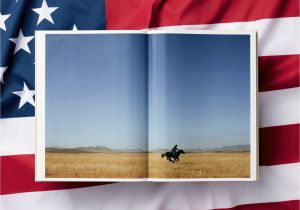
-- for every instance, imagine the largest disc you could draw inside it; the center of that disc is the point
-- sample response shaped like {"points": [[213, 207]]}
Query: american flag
{"points": [[277, 22]]}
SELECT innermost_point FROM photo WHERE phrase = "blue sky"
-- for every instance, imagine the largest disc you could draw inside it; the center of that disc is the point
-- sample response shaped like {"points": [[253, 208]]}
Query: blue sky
{"points": [[96, 89], [199, 90]]}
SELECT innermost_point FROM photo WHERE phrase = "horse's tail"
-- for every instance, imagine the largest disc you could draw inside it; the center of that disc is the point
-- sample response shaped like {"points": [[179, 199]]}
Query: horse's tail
{"points": [[162, 155]]}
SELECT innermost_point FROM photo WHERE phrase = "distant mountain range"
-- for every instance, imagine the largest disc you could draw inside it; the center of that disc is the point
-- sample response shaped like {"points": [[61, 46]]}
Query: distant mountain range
{"points": [[234, 148], [94, 149], [104, 149]]}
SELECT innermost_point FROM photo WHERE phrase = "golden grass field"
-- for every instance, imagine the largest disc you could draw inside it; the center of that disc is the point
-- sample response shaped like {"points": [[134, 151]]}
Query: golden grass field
{"points": [[202, 165], [96, 165], [134, 165]]}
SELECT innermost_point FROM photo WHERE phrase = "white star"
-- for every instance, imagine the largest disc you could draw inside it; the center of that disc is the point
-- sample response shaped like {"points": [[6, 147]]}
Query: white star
{"points": [[26, 95], [22, 42], [45, 12], [74, 28], [3, 18], [2, 70]]}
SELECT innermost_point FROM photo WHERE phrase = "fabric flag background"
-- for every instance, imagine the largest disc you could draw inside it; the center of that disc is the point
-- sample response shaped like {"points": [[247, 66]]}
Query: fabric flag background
{"points": [[277, 22]]}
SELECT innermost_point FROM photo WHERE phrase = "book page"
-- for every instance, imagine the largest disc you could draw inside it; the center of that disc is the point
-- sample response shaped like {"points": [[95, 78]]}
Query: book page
{"points": [[202, 125], [95, 111]]}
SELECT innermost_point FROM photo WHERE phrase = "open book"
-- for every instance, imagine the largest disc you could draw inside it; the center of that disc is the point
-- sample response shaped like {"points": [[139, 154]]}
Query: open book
{"points": [[158, 105]]}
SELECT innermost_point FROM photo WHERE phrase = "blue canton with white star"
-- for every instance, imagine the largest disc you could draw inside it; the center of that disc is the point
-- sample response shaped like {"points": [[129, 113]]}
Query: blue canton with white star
{"points": [[18, 22]]}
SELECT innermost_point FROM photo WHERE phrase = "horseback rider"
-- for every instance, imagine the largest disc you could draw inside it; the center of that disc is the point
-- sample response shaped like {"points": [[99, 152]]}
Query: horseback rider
{"points": [[174, 153], [174, 149]]}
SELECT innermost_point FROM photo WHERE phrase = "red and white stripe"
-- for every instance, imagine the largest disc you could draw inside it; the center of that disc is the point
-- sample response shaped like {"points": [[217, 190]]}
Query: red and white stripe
{"points": [[277, 22]]}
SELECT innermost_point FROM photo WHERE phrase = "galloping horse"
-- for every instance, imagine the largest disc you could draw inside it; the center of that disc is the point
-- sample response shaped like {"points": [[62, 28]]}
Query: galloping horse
{"points": [[171, 155]]}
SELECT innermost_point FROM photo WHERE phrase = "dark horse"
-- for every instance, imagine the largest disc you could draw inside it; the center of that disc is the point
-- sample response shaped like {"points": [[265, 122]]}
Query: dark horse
{"points": [[171, 155]]}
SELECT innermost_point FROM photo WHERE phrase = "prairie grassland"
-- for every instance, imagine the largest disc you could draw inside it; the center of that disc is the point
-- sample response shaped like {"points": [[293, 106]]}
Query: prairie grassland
{"points": [[201, 165], [96, 165]]}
